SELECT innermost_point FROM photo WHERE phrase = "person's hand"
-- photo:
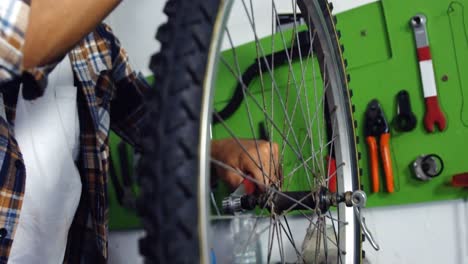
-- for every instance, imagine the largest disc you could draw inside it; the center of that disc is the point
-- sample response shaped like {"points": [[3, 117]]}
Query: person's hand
{"points": [[245, 158]]}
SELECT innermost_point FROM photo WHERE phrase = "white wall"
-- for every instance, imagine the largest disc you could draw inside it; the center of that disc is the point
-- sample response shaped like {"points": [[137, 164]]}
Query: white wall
{"points": [[344, 5], [135, 23], [422, 233]]}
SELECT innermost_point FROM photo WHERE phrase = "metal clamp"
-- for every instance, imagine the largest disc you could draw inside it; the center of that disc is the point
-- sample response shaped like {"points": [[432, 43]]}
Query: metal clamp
{"points": [[359, 199], [426, 167]]}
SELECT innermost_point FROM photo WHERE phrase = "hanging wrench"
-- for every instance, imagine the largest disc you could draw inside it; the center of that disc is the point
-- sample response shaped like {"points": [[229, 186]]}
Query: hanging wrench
{"points": [[433, 113]]}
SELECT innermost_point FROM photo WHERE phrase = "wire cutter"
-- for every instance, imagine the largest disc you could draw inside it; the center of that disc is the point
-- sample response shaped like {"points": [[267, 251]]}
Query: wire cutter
{"points": [[376, 126]]}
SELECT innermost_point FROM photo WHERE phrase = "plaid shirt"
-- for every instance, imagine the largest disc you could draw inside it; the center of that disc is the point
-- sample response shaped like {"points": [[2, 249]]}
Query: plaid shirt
{"points": [[109, 97], [13, 21]]}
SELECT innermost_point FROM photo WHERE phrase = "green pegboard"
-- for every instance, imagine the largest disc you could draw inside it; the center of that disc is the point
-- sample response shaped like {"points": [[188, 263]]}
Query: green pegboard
{"points": [[381, 52], [121, 218]]}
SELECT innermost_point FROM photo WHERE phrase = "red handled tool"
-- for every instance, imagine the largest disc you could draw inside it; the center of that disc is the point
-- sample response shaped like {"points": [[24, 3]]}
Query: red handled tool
{"points": [[246, 187], [331, 165], [376, 127], [433, 115], [249, 186], [460, 180], [234, 202]]}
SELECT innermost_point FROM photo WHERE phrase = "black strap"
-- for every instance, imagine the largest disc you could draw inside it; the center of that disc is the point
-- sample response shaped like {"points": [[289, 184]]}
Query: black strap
{"points": [[264, 63], [405, 119]]}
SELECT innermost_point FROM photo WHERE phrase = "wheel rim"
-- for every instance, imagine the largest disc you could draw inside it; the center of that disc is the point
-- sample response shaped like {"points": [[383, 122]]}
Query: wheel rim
{"points": [[342, 134]]}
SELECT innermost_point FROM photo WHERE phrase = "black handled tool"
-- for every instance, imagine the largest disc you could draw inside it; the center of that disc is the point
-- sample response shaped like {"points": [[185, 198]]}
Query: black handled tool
{"points": [[405, 119]]}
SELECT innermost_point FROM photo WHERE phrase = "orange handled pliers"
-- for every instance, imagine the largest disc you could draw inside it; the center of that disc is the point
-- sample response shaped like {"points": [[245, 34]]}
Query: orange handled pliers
{"points": [[376, 127]]}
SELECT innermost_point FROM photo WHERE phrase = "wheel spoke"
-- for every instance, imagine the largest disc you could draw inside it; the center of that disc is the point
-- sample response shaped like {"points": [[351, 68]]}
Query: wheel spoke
{"points": [[261, 54], [298, 91], [271, 237], [279, 237], [293, 148], [290, 237], [250, 118]]}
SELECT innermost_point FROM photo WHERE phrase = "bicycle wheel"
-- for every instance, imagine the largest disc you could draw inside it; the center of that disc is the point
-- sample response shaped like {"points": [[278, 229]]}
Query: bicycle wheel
{"points": [[284, 84]]}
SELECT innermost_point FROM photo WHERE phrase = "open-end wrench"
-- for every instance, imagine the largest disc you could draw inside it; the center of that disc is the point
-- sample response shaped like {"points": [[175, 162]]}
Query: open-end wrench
{"points": [[433, 113]]}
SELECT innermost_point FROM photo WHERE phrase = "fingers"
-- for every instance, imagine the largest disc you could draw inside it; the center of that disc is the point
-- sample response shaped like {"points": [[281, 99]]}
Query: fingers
{"points": [[231, 178], [264, 167], [261, 180], [258, 159]]}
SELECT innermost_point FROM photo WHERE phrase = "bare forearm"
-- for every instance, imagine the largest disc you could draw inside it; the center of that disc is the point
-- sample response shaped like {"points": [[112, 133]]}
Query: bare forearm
{"points": [[56, 26]]}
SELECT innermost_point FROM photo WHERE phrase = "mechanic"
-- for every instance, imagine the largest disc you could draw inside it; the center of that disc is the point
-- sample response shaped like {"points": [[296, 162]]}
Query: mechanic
{"points": [[58, 101]]}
